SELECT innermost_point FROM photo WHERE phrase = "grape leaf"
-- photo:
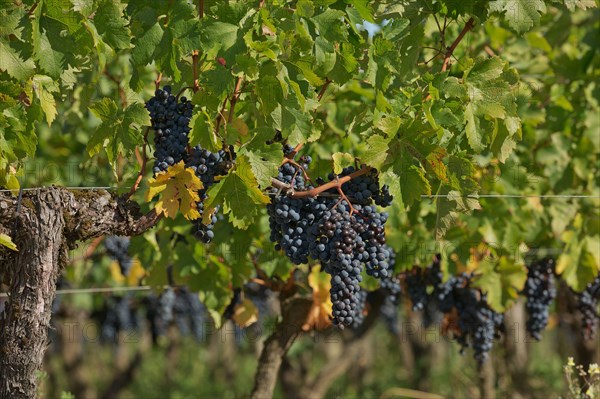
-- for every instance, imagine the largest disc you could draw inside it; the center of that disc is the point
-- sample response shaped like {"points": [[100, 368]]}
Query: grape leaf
{"points": [[50, 60], [119, 131], [264, 159], [341, 160], [203, 132], [111, 25], [521, 15], [319, 315], [502, 280], [7, 242], [245, 313], [43, 87], [179, 187], [239, 194], [12, 63]]}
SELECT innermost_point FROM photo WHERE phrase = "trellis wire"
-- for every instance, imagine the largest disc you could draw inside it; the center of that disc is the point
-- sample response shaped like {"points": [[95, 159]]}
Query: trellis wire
{"points": [[97, 290], [474, 196]]}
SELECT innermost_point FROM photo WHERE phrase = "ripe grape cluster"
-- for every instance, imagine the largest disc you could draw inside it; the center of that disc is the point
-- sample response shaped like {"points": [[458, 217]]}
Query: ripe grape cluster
{"points": [[587, 303], [180, 307], [477, 323], [474, 322], [170, 119], [346, 238], [364, 189], [208, 165], [118, 316], [418, 279], [540, 291], [117, 248]]}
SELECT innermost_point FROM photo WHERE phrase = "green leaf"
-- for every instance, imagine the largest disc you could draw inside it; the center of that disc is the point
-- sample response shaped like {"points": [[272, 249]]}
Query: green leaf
{"points": [[521, 15], [413, 184], [111, 25], [376, 152], [43, 87], [219, 36], [362, 6], [264, 159], [583, 4], [293, 123], [146, 45], [51, 60], [474, 133], [120, 131], [239, 194], [481, 72], [7, 242], [502, 280], [12, 63], [203, 133], [341, 160]]}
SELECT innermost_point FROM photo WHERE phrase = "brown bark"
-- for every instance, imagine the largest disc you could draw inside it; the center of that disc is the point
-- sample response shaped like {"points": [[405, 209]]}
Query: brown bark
{"points": [[32, 273], [44, 225], [486, 380], [354, 345], [276, 346], [515, 345]]}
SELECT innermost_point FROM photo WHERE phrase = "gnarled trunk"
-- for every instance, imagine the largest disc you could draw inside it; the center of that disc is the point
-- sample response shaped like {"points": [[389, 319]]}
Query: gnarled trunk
{"points": [[44, 226], [32, 273]]}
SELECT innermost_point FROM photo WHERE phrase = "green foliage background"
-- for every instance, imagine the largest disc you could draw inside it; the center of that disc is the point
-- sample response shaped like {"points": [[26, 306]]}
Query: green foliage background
{"points": [[516, 113]]}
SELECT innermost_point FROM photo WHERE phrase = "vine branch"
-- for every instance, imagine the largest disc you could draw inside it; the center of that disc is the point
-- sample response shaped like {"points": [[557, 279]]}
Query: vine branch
{"points": [[314, 192], [140, 176], [468, 26], [195, 70], [323, 89]]}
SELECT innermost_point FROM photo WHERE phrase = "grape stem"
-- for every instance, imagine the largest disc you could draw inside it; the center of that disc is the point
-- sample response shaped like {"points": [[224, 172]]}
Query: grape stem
{"points": [[293, 153], [323, 89], [157, 81], [234, 97], [297, 165], [314, 192], [195, 67], [142, 166], [468, 26], [450, 50]]}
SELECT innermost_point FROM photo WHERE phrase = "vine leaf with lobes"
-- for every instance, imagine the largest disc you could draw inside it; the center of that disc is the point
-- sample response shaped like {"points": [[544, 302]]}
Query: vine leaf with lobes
{"points": [[179, 187]]}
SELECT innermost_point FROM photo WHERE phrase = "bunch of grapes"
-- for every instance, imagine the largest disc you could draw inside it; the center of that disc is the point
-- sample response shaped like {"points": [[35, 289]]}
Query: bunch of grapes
{"points": [[170, 119], [417, 281], [117, 248], [189, 314], [118, 316], [587, 303], [416, 287], [178, 306], [361, 309], [338, 246], [325, 229], [364, 189], [208, 165], [477, 322], [540, 291]]}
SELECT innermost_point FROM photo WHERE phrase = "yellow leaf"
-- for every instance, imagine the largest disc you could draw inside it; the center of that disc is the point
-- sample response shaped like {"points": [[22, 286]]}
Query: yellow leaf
{"points": [[245, 313], [115, 272], [319, 316], [136, 273], [7, 242], [178, 187]]}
